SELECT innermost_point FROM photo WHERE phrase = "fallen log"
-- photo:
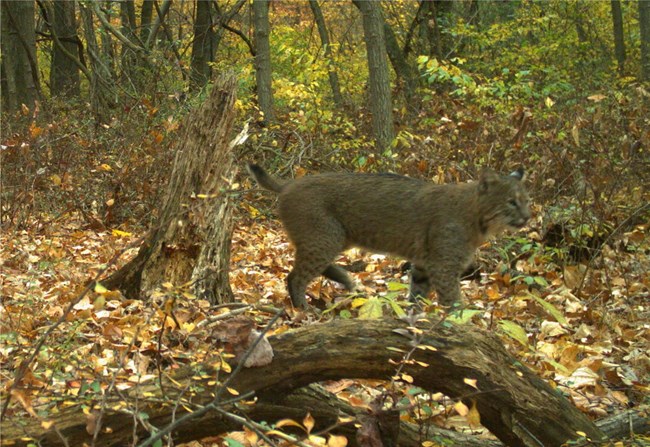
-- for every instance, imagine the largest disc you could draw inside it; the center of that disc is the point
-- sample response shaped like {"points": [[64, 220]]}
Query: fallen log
{"points": [[514, 404]]}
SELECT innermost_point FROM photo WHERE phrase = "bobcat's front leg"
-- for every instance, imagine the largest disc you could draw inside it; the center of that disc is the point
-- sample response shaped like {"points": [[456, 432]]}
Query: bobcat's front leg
{"points": [[449, 294], [420, 284], [445, 280]]}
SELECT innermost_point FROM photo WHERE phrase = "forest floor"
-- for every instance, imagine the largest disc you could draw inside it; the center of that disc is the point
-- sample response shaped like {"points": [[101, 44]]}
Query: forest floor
{"points": [[583, 328]]}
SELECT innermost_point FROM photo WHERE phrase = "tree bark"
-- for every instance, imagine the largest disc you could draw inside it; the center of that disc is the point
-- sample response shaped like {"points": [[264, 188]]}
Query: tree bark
{"points": [[19, 66], [64, 72], [381, 103], [202, 45], [146, 16], [405, 72], [191, 239], [619, 37], [102, 82], [263, 72], [644, 31], [514, 404], [325, 42]]}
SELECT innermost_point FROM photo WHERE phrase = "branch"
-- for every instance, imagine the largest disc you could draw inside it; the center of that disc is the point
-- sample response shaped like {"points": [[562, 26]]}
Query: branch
{"points": [[117, 33]]}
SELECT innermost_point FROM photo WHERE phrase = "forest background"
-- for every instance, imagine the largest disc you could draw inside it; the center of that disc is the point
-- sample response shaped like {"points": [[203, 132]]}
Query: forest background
{"points": [[94, 94]]}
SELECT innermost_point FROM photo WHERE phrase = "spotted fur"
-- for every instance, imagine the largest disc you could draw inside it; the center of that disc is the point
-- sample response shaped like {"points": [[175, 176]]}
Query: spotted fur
{"points": [[436, 227]]}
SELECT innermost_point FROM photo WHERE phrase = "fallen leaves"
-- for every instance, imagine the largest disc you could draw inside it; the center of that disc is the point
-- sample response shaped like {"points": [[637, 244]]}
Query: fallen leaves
{"points": [[594, 347]]}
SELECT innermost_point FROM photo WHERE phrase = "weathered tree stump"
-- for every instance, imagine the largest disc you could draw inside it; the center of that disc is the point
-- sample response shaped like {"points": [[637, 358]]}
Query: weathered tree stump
{"points": [[190, 241], [514, 404]]}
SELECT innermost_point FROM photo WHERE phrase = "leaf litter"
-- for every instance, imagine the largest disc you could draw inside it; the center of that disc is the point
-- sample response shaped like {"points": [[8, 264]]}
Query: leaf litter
{"points": [[583, 330]]}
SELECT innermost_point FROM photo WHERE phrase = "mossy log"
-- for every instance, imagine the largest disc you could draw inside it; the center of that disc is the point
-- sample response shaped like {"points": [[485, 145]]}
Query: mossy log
{"points": [[513, 403]]}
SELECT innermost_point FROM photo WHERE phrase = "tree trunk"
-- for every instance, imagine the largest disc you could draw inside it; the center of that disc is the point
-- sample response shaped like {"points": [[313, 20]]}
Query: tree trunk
{"points": [[405, 72], [644, 31], [473, 13], [619, 37], [146, 16], [102, 83], [64, 72], [381, 104], [19, 66], [132, 64], [325, 41], [514, 404], [190, 242], [202, 45], [263, 72]]}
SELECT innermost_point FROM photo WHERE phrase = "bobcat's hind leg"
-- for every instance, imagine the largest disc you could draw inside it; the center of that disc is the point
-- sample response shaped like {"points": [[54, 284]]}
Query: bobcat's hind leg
{"points": [[340, 275], [420, 283], [314, 256]]}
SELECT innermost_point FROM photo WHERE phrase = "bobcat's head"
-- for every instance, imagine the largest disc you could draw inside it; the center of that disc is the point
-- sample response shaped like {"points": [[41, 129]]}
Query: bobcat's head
{"points": [[503, 201]]}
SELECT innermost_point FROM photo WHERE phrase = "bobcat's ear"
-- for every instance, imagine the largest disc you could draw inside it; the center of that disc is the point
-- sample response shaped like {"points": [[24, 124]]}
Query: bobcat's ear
{"points": [[519, 174], [488, 177]]}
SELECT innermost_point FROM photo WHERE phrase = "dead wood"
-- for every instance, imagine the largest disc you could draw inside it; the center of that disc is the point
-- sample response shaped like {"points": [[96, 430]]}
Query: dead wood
{"points": [[190, 241], [514, 404]]}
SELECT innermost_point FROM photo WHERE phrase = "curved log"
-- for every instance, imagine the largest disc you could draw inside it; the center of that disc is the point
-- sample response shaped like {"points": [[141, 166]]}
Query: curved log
{"points": [[514, 404]]}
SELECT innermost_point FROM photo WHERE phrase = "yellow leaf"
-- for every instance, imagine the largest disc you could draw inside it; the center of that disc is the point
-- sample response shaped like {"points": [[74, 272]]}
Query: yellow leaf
{"points": [[471, 382], [473, 416], [308, 422], [105, 167], [461, 408], [55, 179], [575, 133], [427, 348], [120, 233], [99, 288], [549, 102], [110, 202], [407, 378], [47, 424], [233, 391], [337, 441], [372, 309], [288, 423], [99, 303], [316, 440]]}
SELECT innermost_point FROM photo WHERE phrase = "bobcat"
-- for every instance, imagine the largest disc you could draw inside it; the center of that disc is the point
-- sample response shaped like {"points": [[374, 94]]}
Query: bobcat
{"points": [[436, 227]]}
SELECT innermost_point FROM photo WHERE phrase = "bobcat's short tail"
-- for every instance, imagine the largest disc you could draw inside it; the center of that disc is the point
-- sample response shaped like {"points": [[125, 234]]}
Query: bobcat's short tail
{"points": [[264, 179]]}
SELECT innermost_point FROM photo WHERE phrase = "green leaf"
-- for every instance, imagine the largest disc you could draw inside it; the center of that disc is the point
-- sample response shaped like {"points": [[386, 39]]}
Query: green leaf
{"points": [[541, 281], [513, 330], [371, 309], [394, 286], [233, 443], [396, 308], [551, 309], [462, 316]]}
